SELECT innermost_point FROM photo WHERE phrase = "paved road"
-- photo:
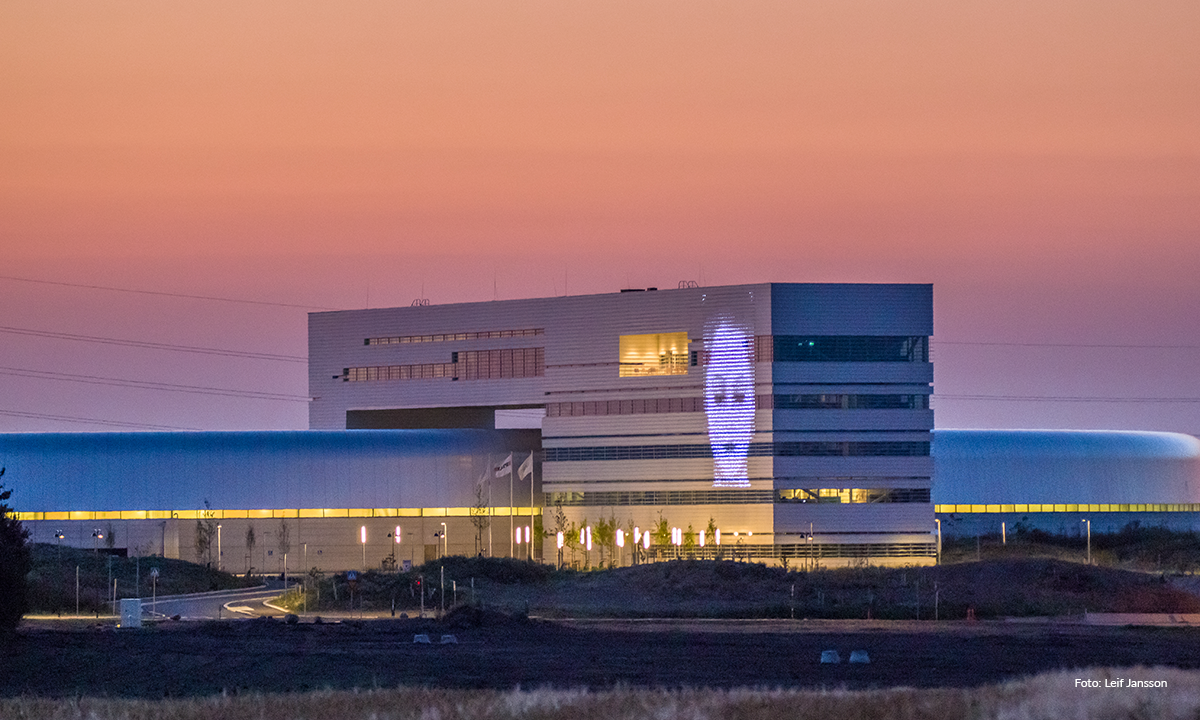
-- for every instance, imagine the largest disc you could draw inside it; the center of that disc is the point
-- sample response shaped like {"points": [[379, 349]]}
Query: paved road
{"points": [[214, 605]]}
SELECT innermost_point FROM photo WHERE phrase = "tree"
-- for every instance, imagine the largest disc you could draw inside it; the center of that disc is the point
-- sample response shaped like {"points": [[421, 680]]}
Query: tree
{"points": [[110, 536], [480, 515], [250, 542], [206, 533], [605, 537], [285, 539], [662, 531], [14, 565]]}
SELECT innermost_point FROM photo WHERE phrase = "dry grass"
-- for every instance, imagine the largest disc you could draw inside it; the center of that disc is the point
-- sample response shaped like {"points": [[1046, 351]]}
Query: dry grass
{"points": [[1052, 696]]}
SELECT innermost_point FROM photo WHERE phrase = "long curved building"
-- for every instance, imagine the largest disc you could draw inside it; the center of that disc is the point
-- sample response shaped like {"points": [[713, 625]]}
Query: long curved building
{"points": [[1053, 479]]}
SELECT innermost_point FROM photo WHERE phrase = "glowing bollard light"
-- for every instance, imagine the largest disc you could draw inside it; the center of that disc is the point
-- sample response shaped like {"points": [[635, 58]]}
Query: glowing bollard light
{"points": [[560, 540], [637, 536], [589, 538], [646, 540], [718, 536], [397, 535], [527, 534], [701, 538], [517, 535], [620, 538]]}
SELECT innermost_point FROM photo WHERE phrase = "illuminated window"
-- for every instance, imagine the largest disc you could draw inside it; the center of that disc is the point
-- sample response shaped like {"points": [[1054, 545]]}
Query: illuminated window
{"points": [[654, 354]]}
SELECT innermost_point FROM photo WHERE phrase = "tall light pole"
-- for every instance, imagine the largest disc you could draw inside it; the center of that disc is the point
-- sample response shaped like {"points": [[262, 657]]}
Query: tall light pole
{"points": [[939, 540], [1088, 522], [219, 551]]}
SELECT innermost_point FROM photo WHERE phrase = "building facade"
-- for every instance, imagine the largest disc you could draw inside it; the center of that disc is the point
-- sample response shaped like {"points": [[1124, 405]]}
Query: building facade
{"points": [[991, 482], [792, 418]]}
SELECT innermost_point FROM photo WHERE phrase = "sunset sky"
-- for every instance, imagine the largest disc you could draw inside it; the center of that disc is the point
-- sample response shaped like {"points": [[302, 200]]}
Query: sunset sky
{"points": [[1038, 162]]}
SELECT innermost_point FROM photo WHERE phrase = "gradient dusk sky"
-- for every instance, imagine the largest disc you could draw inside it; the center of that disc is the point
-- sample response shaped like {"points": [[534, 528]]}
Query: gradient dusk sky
{"points": [[1037, 161]]}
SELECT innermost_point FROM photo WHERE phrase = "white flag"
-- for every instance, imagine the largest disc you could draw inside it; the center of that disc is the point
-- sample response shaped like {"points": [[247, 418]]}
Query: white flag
{"points": [[526, 468], [505, 467]]}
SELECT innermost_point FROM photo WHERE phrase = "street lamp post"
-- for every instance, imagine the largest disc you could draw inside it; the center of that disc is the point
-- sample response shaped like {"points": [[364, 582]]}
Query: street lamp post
{"points": [[1088, 522], [96, 535], [939, 540], [219, 551]]}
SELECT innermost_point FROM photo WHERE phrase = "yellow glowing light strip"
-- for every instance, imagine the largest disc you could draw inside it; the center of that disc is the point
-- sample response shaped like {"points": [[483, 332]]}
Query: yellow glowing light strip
{"points": [[1069, 508], [91, 515]]}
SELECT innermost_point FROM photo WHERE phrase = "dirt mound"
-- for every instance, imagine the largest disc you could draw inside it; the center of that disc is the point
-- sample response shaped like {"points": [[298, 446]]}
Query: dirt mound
{"points": [[465, 616]]}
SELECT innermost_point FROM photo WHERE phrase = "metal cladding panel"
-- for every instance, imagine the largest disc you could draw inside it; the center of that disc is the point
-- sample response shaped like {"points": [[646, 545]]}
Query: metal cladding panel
{"points": [[665, 429], [853, 372], [247, 470], [755, 518], [853, 466], [879, 517], [638, 471], [988, 467], [851, 309]]}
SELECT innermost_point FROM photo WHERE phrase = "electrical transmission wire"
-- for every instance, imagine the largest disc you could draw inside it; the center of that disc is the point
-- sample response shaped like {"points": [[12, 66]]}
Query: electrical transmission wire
{"points": [[90, 421], [149, 385], [1106, 346], [164, 294], [1064, 398], [152, 345]]}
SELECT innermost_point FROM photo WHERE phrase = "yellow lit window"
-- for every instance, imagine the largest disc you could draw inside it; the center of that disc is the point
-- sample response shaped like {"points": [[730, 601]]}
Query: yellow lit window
{"points": [[654, 354]]}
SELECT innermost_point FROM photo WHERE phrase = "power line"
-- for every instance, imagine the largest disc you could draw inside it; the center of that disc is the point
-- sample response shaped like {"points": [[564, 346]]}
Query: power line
{"points": [[1065, 345], [149, 385], [90, 421], [1064, 398], [164, 294], [152, 345]]}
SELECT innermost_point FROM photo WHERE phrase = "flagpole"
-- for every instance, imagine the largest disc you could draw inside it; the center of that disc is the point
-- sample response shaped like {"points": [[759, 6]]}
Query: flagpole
{"points": [[531, 506], [511, 548]]}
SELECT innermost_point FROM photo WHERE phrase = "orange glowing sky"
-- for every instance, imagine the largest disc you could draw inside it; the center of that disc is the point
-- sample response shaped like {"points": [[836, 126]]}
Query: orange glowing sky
{"points": [[1039, 162]]}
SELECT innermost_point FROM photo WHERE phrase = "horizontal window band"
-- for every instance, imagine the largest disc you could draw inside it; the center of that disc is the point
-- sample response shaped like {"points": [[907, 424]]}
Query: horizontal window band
{"points": [[799, 551], [765, 449], [815, 401], [852, 496], [1067, 508], [841, 348], [451, 337], [824, 496], [659, 497], [463, 365], [267, 514]]}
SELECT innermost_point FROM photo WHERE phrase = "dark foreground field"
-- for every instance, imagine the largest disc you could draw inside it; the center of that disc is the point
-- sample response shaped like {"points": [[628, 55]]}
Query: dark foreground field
{"points": [[194, 659]]}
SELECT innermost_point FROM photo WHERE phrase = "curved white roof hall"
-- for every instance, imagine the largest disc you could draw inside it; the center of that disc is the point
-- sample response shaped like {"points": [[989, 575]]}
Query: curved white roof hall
{"points": [[1064, 467]]}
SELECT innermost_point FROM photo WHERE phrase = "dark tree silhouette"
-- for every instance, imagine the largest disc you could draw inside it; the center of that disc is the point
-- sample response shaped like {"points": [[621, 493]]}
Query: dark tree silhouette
{"points": [[14, 564]]}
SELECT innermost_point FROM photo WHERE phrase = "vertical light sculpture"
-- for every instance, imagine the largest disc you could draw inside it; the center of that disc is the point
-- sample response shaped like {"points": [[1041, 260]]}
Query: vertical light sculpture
{"points": [[729, 400], [362, 538]]}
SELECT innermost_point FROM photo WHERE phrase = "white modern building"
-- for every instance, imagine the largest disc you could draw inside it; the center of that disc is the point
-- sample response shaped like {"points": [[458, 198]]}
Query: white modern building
{"points": [[794, 418], [1053, 480]]}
